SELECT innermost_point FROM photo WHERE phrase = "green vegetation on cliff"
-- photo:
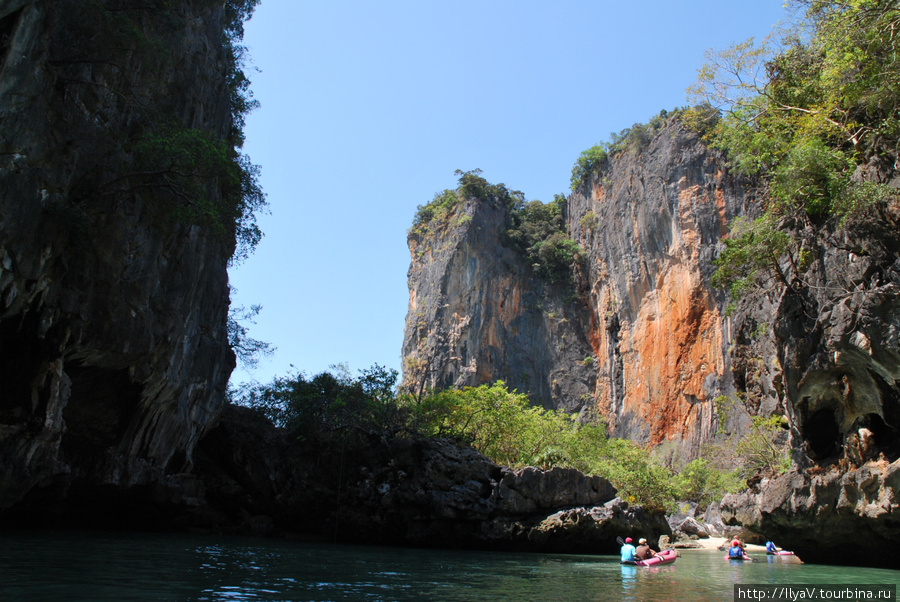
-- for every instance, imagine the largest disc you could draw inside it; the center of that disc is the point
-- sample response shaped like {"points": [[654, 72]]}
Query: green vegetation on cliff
{"points": [[813, 116], [636, 139], [335, 408], [535, 229]]}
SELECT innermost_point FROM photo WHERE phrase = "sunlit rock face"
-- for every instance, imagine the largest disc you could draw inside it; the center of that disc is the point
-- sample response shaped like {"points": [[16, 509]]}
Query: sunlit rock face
{"points": [[112, 313], [640, 337], [477, 315], [651, 223]]}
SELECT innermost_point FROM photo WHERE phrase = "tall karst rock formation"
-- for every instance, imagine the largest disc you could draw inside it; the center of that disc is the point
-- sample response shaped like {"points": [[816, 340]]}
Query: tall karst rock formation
{"points": [[477, 313], [113, 288], [640, 337]]}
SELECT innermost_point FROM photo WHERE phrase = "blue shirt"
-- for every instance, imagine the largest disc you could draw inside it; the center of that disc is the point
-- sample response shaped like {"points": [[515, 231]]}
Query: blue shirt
{"points": [[735, 552], [628, 553]]}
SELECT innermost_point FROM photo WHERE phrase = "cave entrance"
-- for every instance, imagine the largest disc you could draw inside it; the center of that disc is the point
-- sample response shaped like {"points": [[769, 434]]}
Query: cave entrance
{"points": [[886, 439], [100, 406], [823, 435], [22, 354]]}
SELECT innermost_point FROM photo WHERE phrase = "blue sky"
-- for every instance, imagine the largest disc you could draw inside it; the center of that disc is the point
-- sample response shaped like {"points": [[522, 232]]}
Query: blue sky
{"points": [[368, 108]]}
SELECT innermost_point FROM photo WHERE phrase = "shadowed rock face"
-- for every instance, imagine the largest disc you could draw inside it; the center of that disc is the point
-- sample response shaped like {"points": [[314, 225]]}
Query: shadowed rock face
{"points": [[112, 311], [418, 492], [837, 517]]}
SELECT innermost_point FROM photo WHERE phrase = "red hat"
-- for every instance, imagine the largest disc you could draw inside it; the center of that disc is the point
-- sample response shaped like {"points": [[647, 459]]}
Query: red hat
{"points": [[627, 540]]}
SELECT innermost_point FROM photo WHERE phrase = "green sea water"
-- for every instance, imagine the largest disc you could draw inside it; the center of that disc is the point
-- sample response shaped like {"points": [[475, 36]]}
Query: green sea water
{"points": [[71, 566]]}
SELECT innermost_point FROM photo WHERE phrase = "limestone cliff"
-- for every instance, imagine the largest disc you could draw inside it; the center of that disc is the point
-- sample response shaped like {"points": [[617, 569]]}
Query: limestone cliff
{"points": [[668, 362], [651, 222], [641, 337], [113, 298], [477, 314]]}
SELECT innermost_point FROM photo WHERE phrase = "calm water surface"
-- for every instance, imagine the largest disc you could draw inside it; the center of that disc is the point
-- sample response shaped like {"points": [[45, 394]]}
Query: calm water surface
{"points": [[90, 566]]}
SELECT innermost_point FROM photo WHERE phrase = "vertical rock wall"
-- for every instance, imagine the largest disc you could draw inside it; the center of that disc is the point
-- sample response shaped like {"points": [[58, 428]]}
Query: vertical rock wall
{"points": [[650, 222], [642, 338], [477, 315], [112, 308]]}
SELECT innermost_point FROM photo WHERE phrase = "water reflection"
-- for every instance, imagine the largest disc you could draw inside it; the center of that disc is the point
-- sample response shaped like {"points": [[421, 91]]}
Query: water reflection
{"points": [[79, 566], [629, 581]]}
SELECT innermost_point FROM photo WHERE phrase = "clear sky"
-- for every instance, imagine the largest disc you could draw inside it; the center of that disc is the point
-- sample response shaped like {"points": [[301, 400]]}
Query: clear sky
{"points": [[368, 108]]}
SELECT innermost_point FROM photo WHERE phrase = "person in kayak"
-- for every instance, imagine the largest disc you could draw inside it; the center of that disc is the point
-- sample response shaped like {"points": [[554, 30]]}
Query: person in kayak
{"points": [[736, 550], [628, 551], [643, 551], [770, 547]]}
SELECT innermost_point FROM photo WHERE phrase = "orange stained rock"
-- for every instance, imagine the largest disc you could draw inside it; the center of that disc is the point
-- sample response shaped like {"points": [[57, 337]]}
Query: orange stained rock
{"points": [[672, 347], [720, 211]]}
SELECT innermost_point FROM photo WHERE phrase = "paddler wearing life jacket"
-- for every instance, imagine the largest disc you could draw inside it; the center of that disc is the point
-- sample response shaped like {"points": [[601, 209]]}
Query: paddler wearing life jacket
{"points": [[628, 551], [736, 550]]}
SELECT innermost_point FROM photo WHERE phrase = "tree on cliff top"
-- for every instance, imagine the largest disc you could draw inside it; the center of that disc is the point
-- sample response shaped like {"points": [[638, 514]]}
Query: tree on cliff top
{"points": [[814, 117], [535, 229]]}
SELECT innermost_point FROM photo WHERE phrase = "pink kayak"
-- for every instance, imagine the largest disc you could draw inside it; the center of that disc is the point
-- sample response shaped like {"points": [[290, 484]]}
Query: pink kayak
{"points": [[780, 553], [744, 557], [664, 557]]}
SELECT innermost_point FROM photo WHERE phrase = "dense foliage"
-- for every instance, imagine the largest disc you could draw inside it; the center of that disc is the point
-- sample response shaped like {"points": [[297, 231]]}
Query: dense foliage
{"points": [[336, 408], [330, 406], [538, 231], [814, 117], [535, 229]]}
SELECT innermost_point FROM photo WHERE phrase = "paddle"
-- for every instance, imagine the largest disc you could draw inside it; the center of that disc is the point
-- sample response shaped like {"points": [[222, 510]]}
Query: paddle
{"points": [[619, 540]]}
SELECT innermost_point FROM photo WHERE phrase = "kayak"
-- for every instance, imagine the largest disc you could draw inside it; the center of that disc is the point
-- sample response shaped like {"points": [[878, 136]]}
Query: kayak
{"points": [[664, 557], [744, 557], [780, 553]]}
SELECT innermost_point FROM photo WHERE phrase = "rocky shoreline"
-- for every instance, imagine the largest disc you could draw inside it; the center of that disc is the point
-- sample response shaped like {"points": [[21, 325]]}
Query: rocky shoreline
{"points": [[418, 492]]}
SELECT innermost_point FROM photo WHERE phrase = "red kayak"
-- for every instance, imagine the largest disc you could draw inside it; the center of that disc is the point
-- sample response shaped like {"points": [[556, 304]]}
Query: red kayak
{"points": [[744, 557], [664, 557]]}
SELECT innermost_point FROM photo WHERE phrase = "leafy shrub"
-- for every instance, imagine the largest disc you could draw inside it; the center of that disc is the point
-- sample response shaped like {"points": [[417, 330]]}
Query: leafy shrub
{"points": [[753, 247], [500, 424], [506, 428], [701, 482], [760, 450], [437, 210], [588, 163], [330, 406], [538, 231], [589, 221]]}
